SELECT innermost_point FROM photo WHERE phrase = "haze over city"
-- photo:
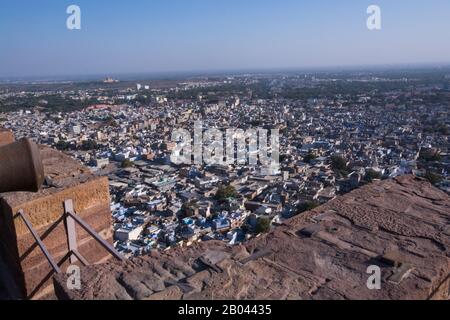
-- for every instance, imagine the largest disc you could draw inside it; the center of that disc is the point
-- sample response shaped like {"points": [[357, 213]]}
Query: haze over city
{"points": [[199, 35]]}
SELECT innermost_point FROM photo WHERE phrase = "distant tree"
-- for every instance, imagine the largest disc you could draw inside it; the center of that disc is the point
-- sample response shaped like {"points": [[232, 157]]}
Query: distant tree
{"points": [[283, 157], [89, 145], [441, 128], [127, 163], [436, 128], [430, 157], [309, 157], [339, 165], [62, 145], [284, 131], [432, 177], [263, 225], [226, 192], [110, 121], [444, 130], [372, 175], [306, 206]]}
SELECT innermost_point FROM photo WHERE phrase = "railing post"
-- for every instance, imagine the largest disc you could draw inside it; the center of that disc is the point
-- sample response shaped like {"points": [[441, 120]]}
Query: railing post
{"points": [[71, 219], [71, 230]]}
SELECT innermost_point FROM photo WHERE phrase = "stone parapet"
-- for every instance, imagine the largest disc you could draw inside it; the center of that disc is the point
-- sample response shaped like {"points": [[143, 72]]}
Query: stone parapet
{"points": [[27, 264]]}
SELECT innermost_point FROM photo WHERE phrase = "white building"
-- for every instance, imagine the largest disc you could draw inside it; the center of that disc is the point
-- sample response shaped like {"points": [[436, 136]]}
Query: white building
{"points": [[125, 234], [75, 130]]}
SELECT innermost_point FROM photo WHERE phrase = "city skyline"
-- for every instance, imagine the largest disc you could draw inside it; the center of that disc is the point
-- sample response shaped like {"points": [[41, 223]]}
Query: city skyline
{"points": [[175, 36]]}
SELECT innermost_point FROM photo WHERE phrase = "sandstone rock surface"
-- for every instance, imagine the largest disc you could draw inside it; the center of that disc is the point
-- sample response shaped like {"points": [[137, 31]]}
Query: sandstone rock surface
{"points": [[400, 225], [67, 179]]}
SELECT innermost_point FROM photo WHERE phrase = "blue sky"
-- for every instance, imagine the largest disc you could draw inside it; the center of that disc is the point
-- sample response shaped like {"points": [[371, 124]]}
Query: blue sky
{"points": [[139, 36]]}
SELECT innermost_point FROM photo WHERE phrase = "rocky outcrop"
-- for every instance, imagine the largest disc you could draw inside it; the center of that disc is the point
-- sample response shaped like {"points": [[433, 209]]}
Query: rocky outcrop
{"points": [[401, 225], [67, 179], [6, 136]]}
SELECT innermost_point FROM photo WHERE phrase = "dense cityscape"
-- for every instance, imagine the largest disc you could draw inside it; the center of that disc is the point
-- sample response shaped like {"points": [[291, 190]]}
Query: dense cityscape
{"points": [[338, 131]]}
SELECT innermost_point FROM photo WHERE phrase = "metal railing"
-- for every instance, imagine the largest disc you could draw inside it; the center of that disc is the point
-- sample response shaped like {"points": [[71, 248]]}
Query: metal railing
{"points": [[38, 240], [71, 219]]}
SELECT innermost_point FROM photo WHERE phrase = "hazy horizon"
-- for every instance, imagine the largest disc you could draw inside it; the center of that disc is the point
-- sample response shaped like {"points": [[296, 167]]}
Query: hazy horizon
{"points": [[170, 75], [200, 36]]}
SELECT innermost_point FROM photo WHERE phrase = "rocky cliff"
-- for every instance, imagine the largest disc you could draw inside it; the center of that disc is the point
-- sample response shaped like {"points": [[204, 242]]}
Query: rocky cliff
{"points": [[401, 226]]}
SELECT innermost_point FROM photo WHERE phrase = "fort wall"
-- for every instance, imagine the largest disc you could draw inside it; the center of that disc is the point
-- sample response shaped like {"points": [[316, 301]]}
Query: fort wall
{"points": [[27, 265]]}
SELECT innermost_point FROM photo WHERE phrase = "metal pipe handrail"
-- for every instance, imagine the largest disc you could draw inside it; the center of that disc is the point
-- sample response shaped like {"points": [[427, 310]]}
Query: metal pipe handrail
{"points": [[71, 219], [95, 235], [80, 257], [41, 245]]}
